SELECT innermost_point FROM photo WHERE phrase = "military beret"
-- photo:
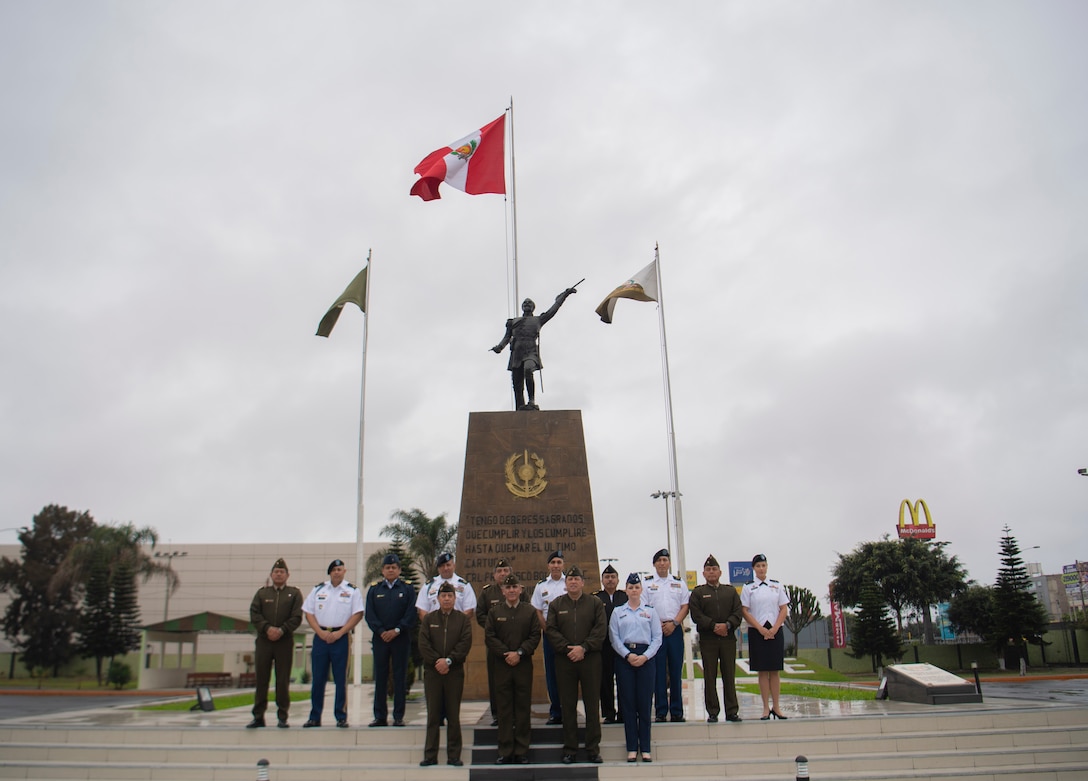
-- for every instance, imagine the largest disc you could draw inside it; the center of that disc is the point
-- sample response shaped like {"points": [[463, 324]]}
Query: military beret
{"points": [[758, 558], [555, 555], [332, 565], [444, 557], [510, 580], [280, 564], [662, 554], [609, 570], [501, 563], [447, 586], [390, 558], [711, 561], [575, 572], [634, 578]]}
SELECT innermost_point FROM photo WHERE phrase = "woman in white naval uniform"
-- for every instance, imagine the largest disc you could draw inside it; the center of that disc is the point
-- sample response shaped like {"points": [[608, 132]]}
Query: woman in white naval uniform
{"points": [[765, 605]]}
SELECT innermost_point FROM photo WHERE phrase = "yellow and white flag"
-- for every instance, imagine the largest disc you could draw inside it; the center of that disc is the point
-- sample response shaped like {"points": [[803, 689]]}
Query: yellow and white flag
{"points": [[641, 287]]}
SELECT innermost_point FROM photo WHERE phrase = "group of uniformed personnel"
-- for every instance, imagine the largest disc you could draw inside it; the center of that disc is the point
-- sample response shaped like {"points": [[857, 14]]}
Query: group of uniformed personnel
{"points": [[614, 646]]}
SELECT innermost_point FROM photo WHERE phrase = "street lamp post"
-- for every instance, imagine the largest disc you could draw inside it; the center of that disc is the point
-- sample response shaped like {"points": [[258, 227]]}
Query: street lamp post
{"points": [[666, 495]]}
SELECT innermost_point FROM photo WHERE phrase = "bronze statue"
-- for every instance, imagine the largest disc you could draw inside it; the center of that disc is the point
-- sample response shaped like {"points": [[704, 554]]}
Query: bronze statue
{"points": [[523, 335]]}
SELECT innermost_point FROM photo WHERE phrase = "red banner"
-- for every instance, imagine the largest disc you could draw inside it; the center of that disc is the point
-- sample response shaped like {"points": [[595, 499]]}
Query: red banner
{"points": [[838, 626]]}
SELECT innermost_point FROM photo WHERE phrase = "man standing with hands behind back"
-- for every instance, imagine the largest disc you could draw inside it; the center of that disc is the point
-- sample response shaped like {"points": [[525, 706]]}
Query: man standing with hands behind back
{"points": [[276, 611], [332, 610], [716, 613]]}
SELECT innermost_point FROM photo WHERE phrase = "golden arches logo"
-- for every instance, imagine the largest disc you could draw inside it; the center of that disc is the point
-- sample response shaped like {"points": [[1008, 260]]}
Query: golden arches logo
{"points": [[915, 530]]}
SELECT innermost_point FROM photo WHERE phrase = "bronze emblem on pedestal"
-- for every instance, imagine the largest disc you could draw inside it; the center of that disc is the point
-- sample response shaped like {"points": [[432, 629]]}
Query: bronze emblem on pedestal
{"points": [[525, 479]]}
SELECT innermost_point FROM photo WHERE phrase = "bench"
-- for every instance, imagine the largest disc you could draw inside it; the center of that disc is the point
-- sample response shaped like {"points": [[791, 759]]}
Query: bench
{"points": [[212, 680], [247, 680]]}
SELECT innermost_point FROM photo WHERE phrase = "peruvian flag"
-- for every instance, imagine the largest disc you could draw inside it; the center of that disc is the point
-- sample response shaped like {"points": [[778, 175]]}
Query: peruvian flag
{"points": [[473, 164]]}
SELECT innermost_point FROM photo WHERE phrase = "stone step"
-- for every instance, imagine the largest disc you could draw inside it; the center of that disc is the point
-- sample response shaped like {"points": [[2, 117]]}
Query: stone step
{"points": [[1032, 743]]}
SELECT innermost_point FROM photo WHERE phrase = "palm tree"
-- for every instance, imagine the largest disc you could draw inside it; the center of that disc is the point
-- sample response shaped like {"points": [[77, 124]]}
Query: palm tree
{"points": [[105, 566], [422, 538]]}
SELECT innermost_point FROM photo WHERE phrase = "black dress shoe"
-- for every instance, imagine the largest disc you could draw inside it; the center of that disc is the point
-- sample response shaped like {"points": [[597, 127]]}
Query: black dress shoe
{"points": [[734, 717], [660, 719], [504, 760], [712, 719], [255, 724], [342, 723], [396, 723], [521, 760], [553, 720], [494, 722], [568, 759], [378, 723], [428, 762], [282, 724], [596, 759], [677, 719], [609, 719], [311, 723], [455, 762]]}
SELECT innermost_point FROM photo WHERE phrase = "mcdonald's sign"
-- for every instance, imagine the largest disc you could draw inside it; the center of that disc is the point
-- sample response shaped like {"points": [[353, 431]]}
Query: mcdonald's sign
{"points": [[915, 530]]}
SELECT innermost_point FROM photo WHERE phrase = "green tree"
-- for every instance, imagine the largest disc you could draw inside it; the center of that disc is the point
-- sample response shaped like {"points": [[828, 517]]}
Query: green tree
{"points": [[909, 573], [972, 610], [41, 624], [422, 537], [804, 610], [104, 567], [1018, 618], [874, 633]]}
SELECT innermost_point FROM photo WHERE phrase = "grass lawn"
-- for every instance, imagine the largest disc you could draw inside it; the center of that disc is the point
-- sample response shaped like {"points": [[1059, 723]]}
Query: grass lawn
{"points": [[813, 691], [222, 703]]}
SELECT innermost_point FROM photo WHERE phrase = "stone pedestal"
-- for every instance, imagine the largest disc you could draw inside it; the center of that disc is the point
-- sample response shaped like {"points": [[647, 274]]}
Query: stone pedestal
{"points": [[928, 684], [525, 494]]}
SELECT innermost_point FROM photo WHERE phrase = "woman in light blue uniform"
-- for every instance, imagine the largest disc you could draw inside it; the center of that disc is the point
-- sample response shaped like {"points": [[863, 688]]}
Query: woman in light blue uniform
{"points": [[635, 636]]}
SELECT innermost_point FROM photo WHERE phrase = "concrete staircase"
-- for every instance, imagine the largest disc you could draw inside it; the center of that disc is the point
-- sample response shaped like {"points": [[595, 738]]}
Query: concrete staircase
{"points": [[995, 745]]}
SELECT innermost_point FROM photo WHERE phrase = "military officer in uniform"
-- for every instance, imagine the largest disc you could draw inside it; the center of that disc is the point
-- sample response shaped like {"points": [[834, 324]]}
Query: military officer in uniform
{"points": [[716, 612], [427, 600], [577, 631], [490, 596], [612, 597], [635, 636], [391, 616], [547, 591], [445, 638], [332, 610], [668, 596], [512, 635], [276, 611]]}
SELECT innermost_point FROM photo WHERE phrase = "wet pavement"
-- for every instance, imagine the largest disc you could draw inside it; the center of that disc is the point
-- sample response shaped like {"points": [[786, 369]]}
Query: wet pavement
{"points": [[58, 709]]}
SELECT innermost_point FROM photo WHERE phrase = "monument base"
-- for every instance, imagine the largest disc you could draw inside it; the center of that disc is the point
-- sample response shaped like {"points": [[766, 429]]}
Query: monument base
{"points": [[525, 494], [929, 685]]}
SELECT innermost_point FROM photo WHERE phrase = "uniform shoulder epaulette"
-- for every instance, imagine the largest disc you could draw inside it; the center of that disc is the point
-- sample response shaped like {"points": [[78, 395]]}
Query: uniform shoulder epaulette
{"points": [[319, 585], [750, 582], [541, 581], [676, 577], [771, 580], [376, 582], [462, 580], [352, 585]]}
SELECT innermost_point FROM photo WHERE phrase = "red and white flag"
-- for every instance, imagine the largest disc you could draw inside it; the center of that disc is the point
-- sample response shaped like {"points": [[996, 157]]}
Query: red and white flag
{"points": [[473, 164], [641, 287]]}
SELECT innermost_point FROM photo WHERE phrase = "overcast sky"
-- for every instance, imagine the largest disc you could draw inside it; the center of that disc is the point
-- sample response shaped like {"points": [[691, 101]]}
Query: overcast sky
{"points": [[872, 228]]}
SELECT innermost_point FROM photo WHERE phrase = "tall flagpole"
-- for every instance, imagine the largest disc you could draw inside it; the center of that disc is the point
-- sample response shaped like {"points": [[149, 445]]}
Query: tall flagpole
{"points": [[360, 562], [514, 210], [677, 511]]}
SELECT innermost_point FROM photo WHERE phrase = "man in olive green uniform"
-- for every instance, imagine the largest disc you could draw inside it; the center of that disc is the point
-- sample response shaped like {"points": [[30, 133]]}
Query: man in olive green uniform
{"points": [[512, 635], [276, 611], [445, 637], [716, 612], [577, 630], [490, 596]]}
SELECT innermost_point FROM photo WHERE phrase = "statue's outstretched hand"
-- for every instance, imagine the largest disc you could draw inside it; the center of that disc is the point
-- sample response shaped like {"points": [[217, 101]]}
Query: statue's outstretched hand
{"points": [[497, 348]]}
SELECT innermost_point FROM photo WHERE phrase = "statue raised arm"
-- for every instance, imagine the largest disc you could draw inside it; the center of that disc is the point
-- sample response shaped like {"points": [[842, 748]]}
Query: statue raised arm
{"points": [[523, 336]]}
